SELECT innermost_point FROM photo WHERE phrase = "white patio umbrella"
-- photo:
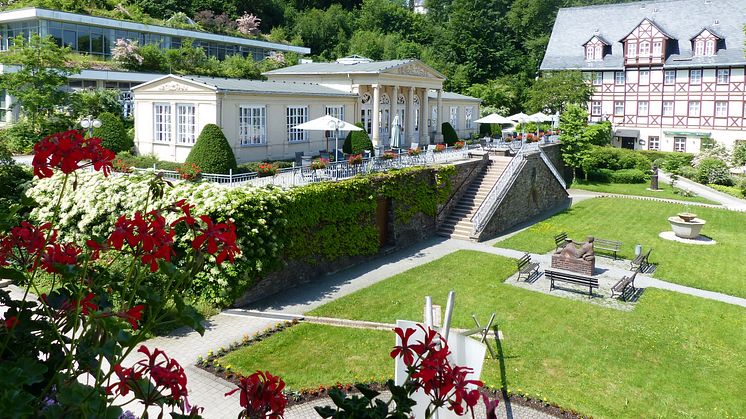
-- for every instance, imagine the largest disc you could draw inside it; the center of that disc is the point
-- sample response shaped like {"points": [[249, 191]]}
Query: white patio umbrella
{"points": [[396, 133], [519, 117], [539, 117], [494, 118], [329, 123]]}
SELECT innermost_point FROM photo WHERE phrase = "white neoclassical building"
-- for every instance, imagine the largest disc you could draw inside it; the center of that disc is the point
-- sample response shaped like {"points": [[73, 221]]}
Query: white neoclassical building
{"points": [[258, 117]]}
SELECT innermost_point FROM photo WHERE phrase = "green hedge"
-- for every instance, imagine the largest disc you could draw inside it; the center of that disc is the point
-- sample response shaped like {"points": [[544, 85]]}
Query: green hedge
{"points": [[449, 134], [357, 142], [629, 176], [146, 162], [613, 158], [212, 153], [113, 134], [714, 171]]}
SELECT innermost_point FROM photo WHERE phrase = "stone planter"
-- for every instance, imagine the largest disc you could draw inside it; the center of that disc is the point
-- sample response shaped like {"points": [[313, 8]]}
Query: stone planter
{"points": [[686, 229]]}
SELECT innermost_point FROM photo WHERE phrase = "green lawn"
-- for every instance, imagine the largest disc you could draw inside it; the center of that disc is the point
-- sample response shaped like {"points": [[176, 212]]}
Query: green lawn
{"points": [[638, 189], [673, 356], [717, 268], [309, 355]]}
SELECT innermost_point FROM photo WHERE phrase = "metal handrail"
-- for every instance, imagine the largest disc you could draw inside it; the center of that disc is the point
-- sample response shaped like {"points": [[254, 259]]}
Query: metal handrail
{"points": [[497, 193]]}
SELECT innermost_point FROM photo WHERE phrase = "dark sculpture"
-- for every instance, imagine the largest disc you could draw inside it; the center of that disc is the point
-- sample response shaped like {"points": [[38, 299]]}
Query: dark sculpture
{"points": [[654, 179], [585, 251]]}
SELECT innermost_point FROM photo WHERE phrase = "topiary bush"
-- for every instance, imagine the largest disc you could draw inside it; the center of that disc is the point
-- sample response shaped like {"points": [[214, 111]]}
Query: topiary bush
{"points": [[449, 134], [357, 142], [485, 130], [211, 152], [629, 176], [714, 171], [113, 134]]}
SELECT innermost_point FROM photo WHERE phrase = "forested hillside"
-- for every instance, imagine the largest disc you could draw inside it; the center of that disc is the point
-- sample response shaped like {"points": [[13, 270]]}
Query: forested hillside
{"points": [[487, 48]]}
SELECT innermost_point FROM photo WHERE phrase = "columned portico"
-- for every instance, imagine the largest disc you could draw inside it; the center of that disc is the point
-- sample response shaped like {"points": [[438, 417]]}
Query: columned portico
{"points": [[411, 116], [376, 115], [439, 126], [424, 117]]}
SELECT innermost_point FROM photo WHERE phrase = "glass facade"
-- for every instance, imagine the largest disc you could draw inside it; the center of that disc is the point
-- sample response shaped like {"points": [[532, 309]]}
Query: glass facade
{"points": [[99, 41]]}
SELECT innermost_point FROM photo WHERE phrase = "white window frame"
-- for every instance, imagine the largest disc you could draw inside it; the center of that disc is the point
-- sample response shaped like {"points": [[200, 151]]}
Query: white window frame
{"points": [[669, 77], [710, 48], [644, 77], [644, 49], [337, 111], [723, 75], [631, 49], [618, 104], [642, 107], [186, 123], [619, 78], [699, 48], [695, 108], [668, 107], [597, 78], [721, 109], [654, 143], [679, 144], [296, 115], [599, 52], [596, 108], [695, 76], [453, 119], [162, 122], [252, 125], [590, 53], [657, 48], [468, 117]]}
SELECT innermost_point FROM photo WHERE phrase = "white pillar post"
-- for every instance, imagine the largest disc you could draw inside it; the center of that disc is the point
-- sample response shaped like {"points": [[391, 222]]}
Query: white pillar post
{"points": [[394, 113], [410, 116], [425, 113], [439, 126], [376, 115]]}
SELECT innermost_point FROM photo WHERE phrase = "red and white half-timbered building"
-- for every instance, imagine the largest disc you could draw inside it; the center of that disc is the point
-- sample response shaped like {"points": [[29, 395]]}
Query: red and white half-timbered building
{"points": [[666, 73]]}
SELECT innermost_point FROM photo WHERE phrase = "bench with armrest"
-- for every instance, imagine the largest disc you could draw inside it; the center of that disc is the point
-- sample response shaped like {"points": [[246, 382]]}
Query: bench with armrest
{"points": [[612, 246], [641, 262], [621, 286], [526, 267], [571, 278], [560, 240]]}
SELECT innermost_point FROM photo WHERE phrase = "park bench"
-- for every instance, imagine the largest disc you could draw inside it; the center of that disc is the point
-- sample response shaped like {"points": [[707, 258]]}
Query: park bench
{"points": [[525, 266], [612, 246], [560, 240], [571, 278], [621, 286], [641, 262]]}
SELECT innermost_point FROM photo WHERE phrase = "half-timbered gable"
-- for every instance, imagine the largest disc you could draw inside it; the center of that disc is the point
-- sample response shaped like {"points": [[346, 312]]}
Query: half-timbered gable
{"points": [[673, 73]]}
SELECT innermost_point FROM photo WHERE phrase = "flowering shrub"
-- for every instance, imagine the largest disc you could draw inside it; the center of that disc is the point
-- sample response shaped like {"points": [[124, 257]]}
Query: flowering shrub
{"points": [[106, 296], [459, 145], [414, 151], [189, 171], [266, 169], [388, 155], [355, 159], [439, 148], [320, 163], [127, 52], [248, 24]]}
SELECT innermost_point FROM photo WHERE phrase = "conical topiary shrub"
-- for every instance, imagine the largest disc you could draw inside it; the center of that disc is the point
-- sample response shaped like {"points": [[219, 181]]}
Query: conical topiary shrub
{"points": [[357, 141], [112, 133], [449, 134], [485, 130], [212, 153]]}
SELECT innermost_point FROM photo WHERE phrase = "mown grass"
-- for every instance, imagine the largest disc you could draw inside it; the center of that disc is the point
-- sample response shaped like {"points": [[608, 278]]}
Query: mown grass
{"points": [[638, 189], [673, 356], [718, 267]]}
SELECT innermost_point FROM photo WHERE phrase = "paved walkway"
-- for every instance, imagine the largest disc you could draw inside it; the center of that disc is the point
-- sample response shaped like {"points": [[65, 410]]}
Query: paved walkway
{"points": [[728, 201]]}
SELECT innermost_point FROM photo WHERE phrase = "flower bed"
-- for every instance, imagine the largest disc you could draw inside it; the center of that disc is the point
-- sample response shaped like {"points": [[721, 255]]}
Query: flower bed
{"points": [[266, 169], [439, 148]]}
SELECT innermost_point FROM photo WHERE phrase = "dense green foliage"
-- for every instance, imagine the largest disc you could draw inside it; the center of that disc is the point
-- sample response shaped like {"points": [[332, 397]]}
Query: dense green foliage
{"points": [[211, 152], [357, 142], [739, 154], [272, 225], [629, 176], [599, 134], [617, 165], [449, 134], [713, 171], [555, 90], [575, 145], [112, 133], [14, 180], [646, 353]]}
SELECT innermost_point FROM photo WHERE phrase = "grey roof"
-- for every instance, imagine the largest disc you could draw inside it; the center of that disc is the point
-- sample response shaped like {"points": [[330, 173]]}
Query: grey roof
{"points": [[680, 19], [452, 96], [708, 29], [373, 67], [260, 86]]}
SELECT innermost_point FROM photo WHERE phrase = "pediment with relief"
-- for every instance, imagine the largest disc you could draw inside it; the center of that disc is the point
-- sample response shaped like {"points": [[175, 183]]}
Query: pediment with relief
{"points": [[415, 69], [175, 85]]}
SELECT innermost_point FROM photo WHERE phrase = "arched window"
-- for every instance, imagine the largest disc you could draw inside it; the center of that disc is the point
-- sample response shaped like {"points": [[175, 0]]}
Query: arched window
{"points": [[710, 47], [699, 48]]}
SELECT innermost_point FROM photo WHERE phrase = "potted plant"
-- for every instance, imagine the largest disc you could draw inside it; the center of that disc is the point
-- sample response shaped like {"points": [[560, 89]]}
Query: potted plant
{"points": [[439, 148], [459, 145], [319, 163], [355, 159], [189, 171], [266, 169], [414, 151]]}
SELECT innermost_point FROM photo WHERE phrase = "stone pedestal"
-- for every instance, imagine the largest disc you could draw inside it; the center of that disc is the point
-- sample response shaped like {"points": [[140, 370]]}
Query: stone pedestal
{"points": [[581, 266]]}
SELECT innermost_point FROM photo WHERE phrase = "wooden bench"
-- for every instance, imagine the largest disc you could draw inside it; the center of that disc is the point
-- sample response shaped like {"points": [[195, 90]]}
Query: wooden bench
{"points": [[641, 263], [621, 286], [571, 278], [525, 266], [560, 240], [607, 245]]}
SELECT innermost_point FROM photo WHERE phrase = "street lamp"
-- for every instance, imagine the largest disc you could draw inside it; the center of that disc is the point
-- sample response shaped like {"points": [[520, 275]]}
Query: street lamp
{"points": [[90, 123], [336, 126]]}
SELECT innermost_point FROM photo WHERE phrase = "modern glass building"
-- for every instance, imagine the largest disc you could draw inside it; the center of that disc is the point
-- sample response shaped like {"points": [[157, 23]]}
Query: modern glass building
{"points": [[97, 36]]}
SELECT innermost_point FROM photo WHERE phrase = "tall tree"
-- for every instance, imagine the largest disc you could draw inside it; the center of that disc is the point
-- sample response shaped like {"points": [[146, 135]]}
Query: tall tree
{"points": [[555, 90], [575, 144], [41, 70]]}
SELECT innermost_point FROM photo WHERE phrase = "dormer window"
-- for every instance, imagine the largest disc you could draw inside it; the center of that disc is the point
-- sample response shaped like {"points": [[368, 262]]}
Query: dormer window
{"points": [[590, 53], [631, 49], [645, 44], [705, 43], [595, 48], [699, 48], [644, 49], [657, 48], [710, 47]]}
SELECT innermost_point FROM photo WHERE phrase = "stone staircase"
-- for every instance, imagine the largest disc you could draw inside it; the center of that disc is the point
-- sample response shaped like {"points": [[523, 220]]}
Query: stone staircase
{"points": [[458, 225]]}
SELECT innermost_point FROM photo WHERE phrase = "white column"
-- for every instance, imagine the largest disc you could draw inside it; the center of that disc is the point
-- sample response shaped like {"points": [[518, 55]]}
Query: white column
{"points": [[439, 127], [410, 116], [376, 111], [425, 113], [394, 113]]}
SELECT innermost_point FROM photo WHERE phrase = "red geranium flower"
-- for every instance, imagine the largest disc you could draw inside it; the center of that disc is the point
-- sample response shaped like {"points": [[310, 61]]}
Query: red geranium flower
{"points": [[66, 150], [146, 236], [261, 395], [58, 254], [133, 315], [219, 237], [24, 243], [404, 349], [10, 322]]}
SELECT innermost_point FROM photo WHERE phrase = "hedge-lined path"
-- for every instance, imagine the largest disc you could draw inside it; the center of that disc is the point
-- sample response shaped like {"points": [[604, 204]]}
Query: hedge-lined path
{"points": [[728, 201]]}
